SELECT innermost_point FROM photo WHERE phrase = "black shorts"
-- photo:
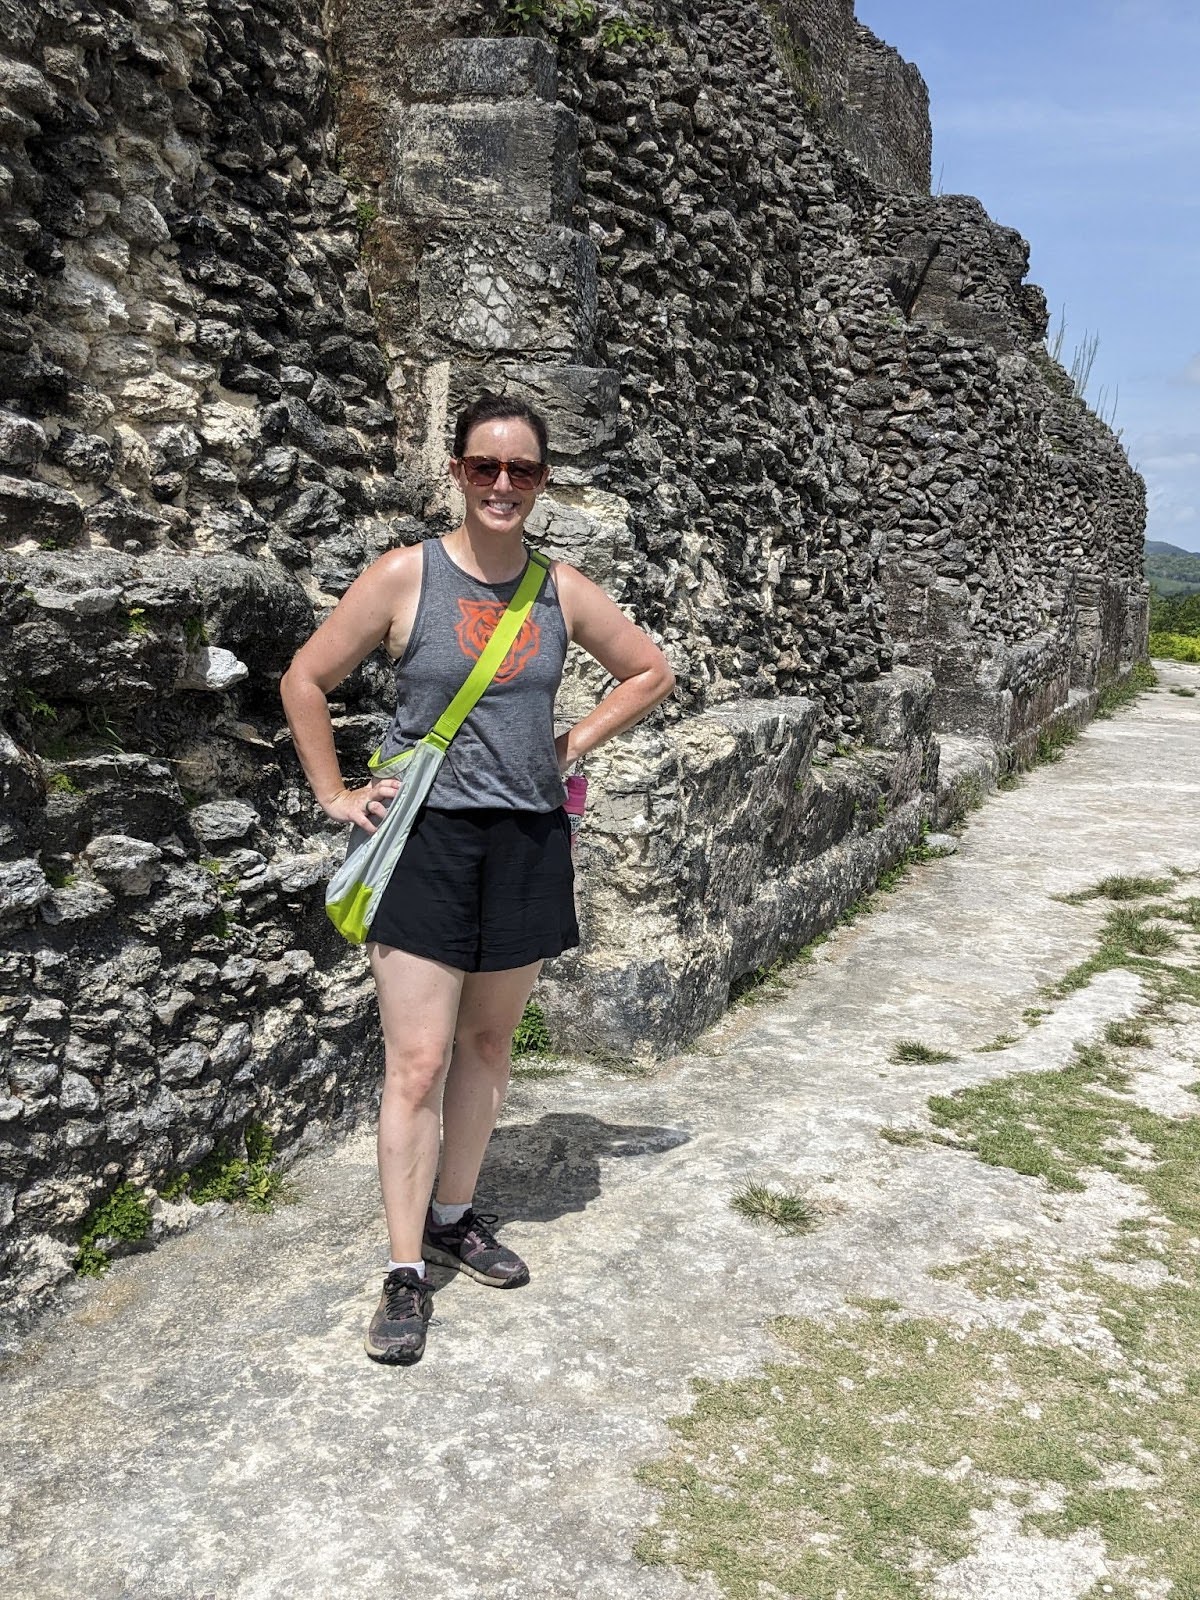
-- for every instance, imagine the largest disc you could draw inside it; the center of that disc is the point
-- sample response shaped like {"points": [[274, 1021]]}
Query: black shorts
{"points": [[482, 890]]}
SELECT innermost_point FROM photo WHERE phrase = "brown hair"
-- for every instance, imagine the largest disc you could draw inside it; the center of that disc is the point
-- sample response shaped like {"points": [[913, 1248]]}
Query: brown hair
{"points": [[489, 407]]}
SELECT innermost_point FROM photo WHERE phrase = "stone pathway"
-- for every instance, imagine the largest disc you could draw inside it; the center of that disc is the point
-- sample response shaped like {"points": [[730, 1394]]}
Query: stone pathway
{"points": [[203, 1425]]}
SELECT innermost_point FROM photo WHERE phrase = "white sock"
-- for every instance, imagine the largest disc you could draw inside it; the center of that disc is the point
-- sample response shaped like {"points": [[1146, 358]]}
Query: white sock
{"points": [[413, 1266], [445, 1215]]}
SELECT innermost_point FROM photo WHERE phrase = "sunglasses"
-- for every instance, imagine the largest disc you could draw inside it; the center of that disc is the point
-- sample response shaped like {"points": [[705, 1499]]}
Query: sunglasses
{"points": [[482, 472]]}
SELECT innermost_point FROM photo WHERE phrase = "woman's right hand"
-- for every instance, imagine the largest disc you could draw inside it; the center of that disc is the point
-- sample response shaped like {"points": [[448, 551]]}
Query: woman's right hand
{"points": [[363, 808]]}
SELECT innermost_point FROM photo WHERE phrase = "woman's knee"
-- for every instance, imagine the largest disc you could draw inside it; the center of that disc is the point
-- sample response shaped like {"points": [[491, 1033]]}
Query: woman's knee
{"points": [[490, 1045], [414, 1074]]}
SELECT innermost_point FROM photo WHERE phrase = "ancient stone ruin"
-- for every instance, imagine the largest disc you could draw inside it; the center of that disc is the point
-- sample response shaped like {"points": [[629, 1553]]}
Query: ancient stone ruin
{"points": [[805, 427]]}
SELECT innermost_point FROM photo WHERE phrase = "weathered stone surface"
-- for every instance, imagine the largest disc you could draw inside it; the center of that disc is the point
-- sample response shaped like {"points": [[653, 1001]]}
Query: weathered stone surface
{"points": [[599, 1174], [127, 866], [218, 821], [514, 158], [214, 669], [23, 887]]}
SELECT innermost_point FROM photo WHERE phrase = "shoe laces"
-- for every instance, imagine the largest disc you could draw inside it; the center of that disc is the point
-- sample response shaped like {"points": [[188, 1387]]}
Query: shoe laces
{"points": [[402, 1291], [481, 1223]]}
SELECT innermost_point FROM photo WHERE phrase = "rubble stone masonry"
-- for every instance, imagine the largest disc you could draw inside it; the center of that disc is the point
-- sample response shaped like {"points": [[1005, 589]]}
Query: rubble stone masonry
{"points": [[804, 427]]}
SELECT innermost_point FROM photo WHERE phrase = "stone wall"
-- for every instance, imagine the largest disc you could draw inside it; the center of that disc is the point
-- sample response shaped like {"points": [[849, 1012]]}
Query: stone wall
{"points": [[804, 426], [197, 455]]}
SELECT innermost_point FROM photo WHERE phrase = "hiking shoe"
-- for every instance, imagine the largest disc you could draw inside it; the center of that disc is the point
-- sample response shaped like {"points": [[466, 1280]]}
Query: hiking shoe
{"points": [[397, 1332], [470, 1246]]}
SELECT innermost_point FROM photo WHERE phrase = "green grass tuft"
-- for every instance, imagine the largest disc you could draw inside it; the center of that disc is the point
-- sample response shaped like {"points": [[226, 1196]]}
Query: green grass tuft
{"points": [[1000, 1042], [912, 1050], [1117, 695], [791, 1212], [1131, 1035]]}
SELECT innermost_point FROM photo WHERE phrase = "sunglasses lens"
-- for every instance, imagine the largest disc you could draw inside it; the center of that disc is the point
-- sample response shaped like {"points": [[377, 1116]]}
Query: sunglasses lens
{"points": [[482, 471]]}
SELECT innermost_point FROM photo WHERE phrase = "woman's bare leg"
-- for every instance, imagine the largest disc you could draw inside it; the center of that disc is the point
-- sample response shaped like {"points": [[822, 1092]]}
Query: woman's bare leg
{"points": [[418, 1003], [488, 1013]]}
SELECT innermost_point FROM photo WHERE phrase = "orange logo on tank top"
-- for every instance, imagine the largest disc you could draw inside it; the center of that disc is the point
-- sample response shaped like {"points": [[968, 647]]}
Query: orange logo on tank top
{"points": [[479, 619]]}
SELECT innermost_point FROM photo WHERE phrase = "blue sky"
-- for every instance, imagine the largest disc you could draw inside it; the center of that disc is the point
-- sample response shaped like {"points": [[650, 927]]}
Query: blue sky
{"points": [[1078, 122]]}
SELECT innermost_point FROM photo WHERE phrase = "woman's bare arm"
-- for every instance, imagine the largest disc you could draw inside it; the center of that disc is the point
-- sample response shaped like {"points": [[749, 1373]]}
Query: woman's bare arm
{"points": [[625, 651], [366, 615]]}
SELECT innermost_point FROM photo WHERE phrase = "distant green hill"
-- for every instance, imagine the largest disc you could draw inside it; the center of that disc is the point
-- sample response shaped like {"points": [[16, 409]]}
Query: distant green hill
{"points": [[1171, 571], [1160, 547]]}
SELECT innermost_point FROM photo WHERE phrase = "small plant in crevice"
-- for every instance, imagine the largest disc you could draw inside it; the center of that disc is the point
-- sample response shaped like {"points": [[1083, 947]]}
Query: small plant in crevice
{"points": [[195, 632], [61, 783], [365, 213], [536, 1073], [913, 1052], [1053, 743], [563, 19], [780, 1208], [760, 983], [532, 1035], [123, 1217], [905, 1137], [239, 1177], [1119, 693], [136, 626], [619, 30]]}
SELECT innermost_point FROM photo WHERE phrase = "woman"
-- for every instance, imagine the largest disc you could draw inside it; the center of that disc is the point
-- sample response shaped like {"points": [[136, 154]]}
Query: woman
{"points": [[482, 893]]}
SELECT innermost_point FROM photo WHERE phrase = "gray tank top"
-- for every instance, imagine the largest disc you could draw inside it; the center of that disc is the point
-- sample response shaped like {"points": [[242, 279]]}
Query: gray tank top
{"points": [[503, 755]]}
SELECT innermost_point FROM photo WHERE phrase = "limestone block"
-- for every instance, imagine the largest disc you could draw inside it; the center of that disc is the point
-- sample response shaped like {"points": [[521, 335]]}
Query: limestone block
{"points": [[85, 900], [499, 162], [23, 887], [509, 293], [897, 707], [219, 821], [76, 1094], [588, 527], [186, 1062], [142, 222], [38, 511], [93, 602], [22, 440], [26, 87], [581, 404], [213, 669], [483, 69], [158, 398], [295, 874], [127, 866]]}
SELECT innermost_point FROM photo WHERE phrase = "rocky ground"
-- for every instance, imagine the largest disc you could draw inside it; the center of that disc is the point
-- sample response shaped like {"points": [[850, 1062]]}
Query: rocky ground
{"points": [[969, 1377]]}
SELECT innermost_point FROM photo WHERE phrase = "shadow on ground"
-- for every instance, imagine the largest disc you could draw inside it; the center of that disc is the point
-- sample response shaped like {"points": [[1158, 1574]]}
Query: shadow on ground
{"points": [[535, 1172]]}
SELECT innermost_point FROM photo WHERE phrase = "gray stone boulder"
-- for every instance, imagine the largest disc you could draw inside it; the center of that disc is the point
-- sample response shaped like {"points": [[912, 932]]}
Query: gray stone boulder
{"points": [[213, 669], [219, 821], [23, 887], [127, 866]]}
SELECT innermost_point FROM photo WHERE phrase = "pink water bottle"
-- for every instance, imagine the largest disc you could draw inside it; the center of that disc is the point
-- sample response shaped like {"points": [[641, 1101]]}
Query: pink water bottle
{"points": [[575, 804]]}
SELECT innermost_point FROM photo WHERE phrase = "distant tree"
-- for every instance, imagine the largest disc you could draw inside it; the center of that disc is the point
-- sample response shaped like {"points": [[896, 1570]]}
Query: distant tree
{"points": [[1176, 613]]}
